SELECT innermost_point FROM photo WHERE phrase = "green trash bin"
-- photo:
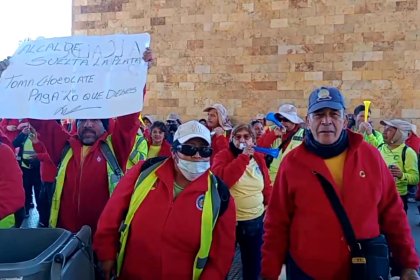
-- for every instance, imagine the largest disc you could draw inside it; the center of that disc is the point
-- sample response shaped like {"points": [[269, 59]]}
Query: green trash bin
{"points": [[46, 253]]}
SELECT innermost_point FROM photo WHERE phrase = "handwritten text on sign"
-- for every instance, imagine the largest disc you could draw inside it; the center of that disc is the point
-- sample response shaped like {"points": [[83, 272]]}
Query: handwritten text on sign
{"points": [[75, 77]]}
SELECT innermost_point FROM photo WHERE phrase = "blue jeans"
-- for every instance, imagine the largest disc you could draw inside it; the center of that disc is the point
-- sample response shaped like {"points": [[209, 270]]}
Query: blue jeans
{"points": [[249, 236]]}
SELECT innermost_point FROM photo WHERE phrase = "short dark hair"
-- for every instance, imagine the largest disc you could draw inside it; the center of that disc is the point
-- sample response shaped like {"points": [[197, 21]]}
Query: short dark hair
{"points": [[360, 108], [254, 122], [160, 125]]}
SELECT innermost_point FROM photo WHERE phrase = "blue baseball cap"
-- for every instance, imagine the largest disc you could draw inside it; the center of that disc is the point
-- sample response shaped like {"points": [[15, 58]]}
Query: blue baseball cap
{"points": [[326, 97]]}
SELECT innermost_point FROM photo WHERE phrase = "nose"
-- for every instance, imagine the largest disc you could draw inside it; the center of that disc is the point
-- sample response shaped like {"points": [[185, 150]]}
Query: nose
{"points": [[326, 120], [197, 155]]}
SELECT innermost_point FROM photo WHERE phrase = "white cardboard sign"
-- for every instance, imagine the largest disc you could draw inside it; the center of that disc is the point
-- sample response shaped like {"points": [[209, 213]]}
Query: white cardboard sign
{"points": [[84, 77]]}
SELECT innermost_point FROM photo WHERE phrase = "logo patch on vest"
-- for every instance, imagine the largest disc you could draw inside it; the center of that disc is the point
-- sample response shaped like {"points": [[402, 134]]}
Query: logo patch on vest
{"points": [[98, 159], [199, 203]]}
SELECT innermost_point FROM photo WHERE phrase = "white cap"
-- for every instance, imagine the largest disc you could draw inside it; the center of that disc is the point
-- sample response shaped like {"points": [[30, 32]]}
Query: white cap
{"points": [[192, 129], [290, 112]]}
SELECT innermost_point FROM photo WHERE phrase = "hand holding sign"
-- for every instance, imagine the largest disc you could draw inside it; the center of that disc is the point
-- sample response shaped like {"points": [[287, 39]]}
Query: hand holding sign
{"points": [[76, 77]]}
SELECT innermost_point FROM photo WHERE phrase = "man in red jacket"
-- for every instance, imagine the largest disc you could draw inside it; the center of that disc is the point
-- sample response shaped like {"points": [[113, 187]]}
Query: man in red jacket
{"points": [[301, 227], [91, 162], [175, 225]]}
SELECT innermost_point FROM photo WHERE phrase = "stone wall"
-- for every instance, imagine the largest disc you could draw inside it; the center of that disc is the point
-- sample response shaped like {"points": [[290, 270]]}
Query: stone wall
{"points": [[253, 55]]}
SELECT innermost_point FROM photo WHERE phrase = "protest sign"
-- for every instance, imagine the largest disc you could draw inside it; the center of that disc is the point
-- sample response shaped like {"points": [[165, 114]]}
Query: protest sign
{"points": [[84, 77]]}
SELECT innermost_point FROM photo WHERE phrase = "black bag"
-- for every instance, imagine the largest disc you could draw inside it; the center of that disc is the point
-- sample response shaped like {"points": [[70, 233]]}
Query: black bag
{"points": [[369, 257]]}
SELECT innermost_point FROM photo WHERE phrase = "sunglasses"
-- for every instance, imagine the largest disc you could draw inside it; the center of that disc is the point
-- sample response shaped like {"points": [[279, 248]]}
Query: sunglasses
{"points": [[190, 150], [283, 119], [245, 136]]}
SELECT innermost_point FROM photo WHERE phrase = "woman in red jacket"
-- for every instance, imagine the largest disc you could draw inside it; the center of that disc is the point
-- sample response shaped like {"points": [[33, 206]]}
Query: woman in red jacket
{"points": [[158, 146], [245, 173]]}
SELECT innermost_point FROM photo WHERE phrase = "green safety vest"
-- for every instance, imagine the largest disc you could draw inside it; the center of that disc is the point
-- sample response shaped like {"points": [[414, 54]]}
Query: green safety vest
{"points": [[210, 213], [139, 151], [8, 221], [113, 170], [294, 142]]}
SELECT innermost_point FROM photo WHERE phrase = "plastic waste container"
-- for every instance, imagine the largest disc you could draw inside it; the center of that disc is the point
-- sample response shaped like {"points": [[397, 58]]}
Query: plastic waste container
{"points": [[46, 253]]}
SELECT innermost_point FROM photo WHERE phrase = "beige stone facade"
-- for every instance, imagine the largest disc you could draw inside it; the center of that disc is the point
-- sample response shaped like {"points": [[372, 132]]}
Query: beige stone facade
{"points": [[253, 55]]}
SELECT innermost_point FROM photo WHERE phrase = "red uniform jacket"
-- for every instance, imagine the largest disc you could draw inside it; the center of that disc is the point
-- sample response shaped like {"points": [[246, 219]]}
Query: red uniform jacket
{"points": [[85, 190], [267, 139], [11, 135], [165, 232], [48, 168], [165, 148], [12, 196], [218, 143], [231, 169], [5, 140], [413, 142], [300, 220]]}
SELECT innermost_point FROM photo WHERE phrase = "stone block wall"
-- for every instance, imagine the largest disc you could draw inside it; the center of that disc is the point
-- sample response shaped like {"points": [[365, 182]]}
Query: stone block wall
{"points": [[253, 55]]}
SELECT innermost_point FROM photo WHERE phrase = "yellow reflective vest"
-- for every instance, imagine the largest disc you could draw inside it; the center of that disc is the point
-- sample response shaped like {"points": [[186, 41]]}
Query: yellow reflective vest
{"points": [[209, 215], [294, 142], [114, 175], [8, 221], [139, 151]]}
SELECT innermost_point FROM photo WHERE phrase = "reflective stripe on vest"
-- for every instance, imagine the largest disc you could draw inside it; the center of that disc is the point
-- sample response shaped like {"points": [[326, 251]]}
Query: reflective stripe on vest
{"points": [[28, 151], [8, 221], [210, 213], [294, 142], [113, 180], [139, 151]]}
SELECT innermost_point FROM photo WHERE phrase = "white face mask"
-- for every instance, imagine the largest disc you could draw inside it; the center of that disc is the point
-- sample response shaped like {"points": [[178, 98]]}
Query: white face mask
{"points": [[192, 169]]}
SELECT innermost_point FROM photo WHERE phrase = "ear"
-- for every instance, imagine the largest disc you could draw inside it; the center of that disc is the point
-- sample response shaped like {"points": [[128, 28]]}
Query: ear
{"points": [[307, 120]]}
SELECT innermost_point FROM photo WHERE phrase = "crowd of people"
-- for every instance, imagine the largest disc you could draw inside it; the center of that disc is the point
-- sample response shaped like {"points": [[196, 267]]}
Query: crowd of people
{"points": [[172, 200]]}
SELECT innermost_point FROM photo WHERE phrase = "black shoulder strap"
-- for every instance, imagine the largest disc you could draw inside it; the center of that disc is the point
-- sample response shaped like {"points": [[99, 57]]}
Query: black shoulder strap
{"points": [[286, 141], [224, 195], [110, 158], [150, 162], [380, 145], [339, 211], [64, 153], [403, 156]]}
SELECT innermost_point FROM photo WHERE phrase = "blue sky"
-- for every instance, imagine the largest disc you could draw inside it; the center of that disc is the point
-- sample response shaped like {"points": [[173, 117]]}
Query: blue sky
{"points": [[22, 19]]}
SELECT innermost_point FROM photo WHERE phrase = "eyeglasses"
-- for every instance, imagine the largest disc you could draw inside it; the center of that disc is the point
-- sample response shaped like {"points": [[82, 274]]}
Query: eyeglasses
{"points": [[190, 150], [245, 136]]}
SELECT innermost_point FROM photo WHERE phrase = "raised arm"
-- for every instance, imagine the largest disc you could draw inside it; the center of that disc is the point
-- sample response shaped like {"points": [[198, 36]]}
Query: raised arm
{"points": [[123, 137], [53, 136], [229, 169]]}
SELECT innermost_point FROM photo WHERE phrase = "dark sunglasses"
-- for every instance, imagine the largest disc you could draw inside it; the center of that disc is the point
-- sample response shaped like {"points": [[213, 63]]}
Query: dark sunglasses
{"points": [[190, 150], [281, 119]]}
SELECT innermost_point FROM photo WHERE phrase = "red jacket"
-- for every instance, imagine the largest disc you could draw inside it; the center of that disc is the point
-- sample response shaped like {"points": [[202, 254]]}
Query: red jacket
{"points": [[165, 232], [218, 143], [267, 139], [12, 196], [413, 141], [11, 135], [48, 168], [301, 221], [231, 169], [85, 190], [165, 148], [4, 139]]}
